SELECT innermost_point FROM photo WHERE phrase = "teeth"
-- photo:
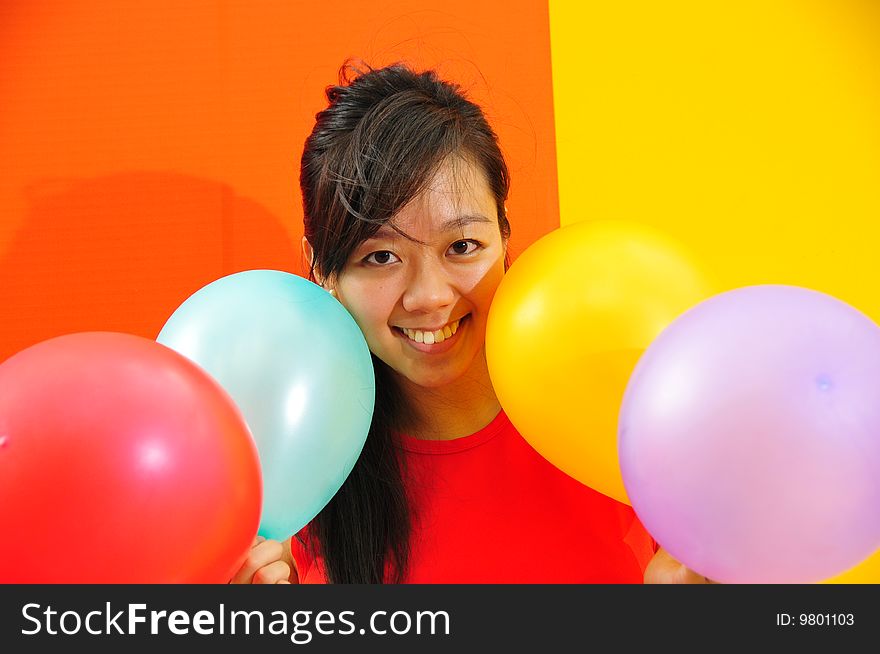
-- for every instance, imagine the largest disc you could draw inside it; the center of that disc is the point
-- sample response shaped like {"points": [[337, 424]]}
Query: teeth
{"points": [[429, 338]]}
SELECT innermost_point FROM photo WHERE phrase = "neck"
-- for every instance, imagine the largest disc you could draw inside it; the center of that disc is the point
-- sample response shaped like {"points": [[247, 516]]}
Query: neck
{"points": [[454, 410]]}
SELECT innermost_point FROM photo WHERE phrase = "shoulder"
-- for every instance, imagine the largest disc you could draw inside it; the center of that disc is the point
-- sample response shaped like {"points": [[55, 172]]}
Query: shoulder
{"points": [[572, 497]]}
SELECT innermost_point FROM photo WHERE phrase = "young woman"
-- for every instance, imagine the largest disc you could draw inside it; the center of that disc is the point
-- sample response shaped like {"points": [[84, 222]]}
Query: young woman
{"points": [[404, 189]]}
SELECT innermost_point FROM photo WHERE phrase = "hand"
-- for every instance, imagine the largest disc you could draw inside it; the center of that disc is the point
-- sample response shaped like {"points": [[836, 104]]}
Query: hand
{"points": [[663, 569], [266, 564]]}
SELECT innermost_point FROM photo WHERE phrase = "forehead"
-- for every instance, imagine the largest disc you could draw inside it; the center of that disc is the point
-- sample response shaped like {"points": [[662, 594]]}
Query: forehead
{"points": [[457, 195]]}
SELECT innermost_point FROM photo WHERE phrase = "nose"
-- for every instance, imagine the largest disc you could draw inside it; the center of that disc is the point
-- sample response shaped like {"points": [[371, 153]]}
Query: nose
{"points": [[428, 288]]}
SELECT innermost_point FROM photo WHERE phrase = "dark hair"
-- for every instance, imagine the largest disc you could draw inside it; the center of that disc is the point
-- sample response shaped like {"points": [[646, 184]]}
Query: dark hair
{"points": [[374, 148]]}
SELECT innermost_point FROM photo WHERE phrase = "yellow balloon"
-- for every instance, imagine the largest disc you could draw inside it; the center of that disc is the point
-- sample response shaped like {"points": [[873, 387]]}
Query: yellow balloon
{"points": [[866, 572], [567, 325]]}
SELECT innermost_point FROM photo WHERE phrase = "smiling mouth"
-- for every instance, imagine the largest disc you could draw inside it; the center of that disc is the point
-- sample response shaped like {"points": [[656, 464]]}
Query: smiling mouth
{"points": [[432, 337]]}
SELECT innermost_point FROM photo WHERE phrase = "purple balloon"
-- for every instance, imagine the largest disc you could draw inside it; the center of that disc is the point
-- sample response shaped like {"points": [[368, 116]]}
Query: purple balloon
{"points": [[749, 436]]}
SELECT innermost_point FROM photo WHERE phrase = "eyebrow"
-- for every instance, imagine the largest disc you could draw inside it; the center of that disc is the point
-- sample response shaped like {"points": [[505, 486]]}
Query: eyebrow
{"points": [[447, 226]]}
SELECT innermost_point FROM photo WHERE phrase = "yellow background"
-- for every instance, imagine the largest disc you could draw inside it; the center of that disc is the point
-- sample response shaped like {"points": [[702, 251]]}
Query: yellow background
{"points": [[749, 130]]}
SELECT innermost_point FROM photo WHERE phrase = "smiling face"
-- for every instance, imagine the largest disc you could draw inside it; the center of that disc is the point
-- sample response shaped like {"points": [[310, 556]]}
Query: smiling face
{"points": [[422, 301]]}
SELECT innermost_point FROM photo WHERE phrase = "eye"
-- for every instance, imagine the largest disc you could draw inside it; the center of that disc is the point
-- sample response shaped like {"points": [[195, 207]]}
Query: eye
{"points": [[380, 258], [465, 246]]}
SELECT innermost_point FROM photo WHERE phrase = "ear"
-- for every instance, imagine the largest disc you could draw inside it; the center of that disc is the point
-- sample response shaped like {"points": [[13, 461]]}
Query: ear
{"points": [[308, 254], [505, 240]]}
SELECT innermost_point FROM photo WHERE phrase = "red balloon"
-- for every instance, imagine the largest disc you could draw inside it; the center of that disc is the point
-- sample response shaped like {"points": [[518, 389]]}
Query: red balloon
{"points": [[121, 462]]}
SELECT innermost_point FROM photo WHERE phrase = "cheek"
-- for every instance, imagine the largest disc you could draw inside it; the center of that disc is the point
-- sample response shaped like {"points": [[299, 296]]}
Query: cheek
{"points": [[484, 285], [370, 307]]}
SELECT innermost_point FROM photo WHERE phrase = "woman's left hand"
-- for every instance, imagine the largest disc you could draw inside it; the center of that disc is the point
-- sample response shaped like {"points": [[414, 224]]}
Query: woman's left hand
{"points": [[663, 569]]}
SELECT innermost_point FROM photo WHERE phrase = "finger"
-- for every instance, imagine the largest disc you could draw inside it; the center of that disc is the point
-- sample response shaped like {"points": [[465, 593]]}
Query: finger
{"points": [[272, 573], [662, 569], [260, 556], [689, 576], [288, 558]]}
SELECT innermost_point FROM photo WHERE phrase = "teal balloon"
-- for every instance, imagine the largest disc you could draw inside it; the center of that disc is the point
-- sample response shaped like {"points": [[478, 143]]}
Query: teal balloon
{"points": [[297, 365]]}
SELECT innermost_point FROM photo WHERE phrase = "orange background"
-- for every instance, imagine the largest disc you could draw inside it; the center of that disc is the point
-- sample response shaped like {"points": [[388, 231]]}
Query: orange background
{"points": [[150, 148]]}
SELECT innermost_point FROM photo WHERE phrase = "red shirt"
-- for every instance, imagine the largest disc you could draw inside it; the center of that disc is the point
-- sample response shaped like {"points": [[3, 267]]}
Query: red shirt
{"points": [[487, 508]]}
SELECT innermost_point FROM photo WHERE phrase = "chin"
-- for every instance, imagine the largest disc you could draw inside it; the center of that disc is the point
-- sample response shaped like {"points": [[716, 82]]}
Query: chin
{"points": [[434, 379]]}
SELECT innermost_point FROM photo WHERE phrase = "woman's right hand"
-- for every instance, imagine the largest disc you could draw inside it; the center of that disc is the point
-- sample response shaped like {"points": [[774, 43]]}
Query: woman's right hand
{"points": [[269, 562], [663, 569]]}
